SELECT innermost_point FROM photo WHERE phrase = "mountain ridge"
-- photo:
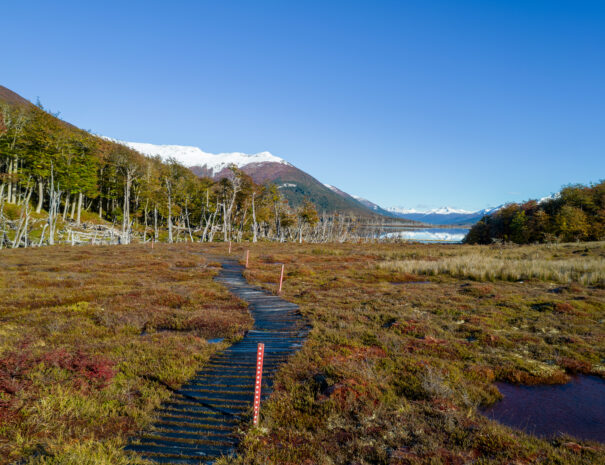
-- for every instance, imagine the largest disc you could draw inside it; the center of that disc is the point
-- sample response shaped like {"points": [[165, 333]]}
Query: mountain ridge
{"points": [[443, 215], [295, 184]]}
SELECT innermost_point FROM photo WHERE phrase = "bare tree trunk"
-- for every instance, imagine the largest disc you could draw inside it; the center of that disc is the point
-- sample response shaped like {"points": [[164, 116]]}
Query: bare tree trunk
{"points": [[155, 222], [40, 196], [188, 225], [126, 209], [53, 209], [15, 172], [169, 218], [80, 196], [42, 235], [224, 222], [254, 225], [168, 183], [72, 214], [145, 213], [66, 207], [9, 194]]}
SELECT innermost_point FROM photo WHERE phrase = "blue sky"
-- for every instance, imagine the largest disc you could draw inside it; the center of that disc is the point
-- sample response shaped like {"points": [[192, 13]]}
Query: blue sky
{"points": [[461, 103]]}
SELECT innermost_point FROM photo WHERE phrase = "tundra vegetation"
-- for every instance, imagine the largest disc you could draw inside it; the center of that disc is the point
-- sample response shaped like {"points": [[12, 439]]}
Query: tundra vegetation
{"points": [[408, 340], [395, 370], [93, 338]]}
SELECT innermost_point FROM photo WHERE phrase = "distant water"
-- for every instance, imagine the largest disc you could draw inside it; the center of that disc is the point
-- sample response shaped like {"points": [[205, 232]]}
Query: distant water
{"points": [[453, 235], [576, 408]]}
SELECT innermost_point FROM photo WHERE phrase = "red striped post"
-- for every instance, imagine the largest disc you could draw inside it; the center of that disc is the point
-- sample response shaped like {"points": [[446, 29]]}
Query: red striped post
{"points": [[229, 247], [281, 279], [260, 354], [247, 257]]}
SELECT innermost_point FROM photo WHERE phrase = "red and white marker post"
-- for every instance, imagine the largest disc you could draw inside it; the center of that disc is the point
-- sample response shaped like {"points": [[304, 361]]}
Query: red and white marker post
{"points": [[260, 354], [229, 247], [281, 279], [247, 257]]}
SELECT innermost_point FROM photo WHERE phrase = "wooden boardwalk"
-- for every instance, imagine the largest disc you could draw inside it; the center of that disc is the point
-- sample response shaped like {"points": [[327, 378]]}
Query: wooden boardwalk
{"points": [[197, 424]]}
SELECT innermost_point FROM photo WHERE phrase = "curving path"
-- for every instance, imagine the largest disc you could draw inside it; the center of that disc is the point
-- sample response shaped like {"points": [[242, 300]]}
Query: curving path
{"points": [[198, 423]]}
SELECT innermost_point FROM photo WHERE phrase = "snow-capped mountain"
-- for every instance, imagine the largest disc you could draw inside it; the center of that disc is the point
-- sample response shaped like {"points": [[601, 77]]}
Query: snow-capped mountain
{"points": [[443, 215], [435, 211], [263, 168], [214, 163]]}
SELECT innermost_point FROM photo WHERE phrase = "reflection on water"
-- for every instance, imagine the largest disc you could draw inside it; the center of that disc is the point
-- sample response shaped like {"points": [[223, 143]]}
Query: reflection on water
{"points": [[454, 235], [576, 408]]}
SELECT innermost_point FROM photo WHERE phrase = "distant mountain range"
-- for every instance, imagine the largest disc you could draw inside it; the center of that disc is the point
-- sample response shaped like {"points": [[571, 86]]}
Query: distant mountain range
{"points": [[296, 185], [263, 167], [443, 215]]}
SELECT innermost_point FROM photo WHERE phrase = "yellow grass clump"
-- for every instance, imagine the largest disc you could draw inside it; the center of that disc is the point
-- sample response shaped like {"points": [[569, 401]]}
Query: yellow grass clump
{"points": [[566, 263]]}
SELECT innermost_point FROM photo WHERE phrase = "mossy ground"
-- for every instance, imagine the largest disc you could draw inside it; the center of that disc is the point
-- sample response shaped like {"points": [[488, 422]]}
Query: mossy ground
{"points": [[398, 365], [87, 336], [394, 371]]}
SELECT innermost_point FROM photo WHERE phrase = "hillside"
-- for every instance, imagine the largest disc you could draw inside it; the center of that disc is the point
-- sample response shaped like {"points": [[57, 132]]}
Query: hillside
{"points": [[12, 98]]}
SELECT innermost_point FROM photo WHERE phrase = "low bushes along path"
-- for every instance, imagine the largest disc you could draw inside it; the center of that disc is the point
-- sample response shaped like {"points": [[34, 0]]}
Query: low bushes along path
{"points": [[197, 424]]}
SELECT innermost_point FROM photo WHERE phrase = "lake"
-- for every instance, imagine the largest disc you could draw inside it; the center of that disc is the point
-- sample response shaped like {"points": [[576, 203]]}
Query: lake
{"points": [[449, 235]]}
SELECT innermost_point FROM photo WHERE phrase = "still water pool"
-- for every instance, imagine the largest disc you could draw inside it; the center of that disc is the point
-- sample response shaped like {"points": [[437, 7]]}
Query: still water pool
{"points": [[576, 408]]}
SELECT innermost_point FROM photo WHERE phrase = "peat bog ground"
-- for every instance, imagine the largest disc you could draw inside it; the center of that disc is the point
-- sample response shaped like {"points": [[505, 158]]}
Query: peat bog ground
{"points": [[397, 373], [407, 343], [91, 336]]}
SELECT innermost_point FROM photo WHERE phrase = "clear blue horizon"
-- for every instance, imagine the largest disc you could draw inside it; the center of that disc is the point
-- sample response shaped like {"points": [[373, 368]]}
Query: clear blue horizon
{"points": [[464, 103]]}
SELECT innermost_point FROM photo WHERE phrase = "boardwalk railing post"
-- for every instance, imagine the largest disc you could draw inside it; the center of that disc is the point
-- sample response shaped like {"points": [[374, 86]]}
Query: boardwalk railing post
{"points": [[281, 279], [247, 257], [260, 353]]}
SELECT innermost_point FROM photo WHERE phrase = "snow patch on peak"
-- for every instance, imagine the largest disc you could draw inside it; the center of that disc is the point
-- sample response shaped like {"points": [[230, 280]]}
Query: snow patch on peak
{"points": [[434, 211], [194, 156]]}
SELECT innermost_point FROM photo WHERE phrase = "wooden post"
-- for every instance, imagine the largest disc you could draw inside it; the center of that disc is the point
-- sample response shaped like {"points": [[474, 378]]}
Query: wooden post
{"points": [[260, 354], [281, 279], [152, 242], [229, 247], [247, 257]]}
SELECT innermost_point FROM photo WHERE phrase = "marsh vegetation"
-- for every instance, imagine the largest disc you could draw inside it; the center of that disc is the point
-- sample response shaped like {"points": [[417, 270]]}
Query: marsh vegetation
{"points": [[91, 339], [397, 373], [399, 363]]}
